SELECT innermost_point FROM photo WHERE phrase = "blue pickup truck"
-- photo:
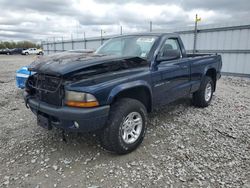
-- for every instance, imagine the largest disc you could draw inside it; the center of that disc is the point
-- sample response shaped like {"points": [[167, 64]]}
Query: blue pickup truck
{"points": [[112, 90]]}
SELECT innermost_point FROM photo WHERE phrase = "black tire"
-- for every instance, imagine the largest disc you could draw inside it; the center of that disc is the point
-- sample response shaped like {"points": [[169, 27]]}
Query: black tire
{"points": [[199, 98], [111, 136], [26, 53]]}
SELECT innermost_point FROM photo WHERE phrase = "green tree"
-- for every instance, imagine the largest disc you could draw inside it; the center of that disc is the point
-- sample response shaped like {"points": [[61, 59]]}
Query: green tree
{"points": [[20, 44]]}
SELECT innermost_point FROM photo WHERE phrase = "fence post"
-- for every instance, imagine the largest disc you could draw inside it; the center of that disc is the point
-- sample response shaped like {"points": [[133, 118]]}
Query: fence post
{"points": [[101, 37], [85, 42], [54, 43], [47, 45], [62, 44], [72, 42], [42, 45]]}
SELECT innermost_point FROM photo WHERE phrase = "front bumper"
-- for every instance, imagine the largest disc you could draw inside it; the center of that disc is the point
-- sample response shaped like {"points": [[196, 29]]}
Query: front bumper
{"points": [[88, 119]]}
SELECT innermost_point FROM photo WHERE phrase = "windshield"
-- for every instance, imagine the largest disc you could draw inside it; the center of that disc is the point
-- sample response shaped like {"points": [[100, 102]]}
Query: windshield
{"points": [[138, 46]]}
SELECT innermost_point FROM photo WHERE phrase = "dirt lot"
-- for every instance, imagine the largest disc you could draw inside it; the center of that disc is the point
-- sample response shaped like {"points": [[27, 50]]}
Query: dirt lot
{"points": [[184, 146]]}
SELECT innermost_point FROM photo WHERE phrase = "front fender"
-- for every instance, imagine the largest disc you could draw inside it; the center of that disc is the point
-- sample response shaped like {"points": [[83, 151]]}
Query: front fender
{"points": [[122, 87]]}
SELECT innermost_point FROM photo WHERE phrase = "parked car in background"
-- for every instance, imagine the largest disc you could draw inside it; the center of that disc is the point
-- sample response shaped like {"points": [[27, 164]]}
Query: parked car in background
{"points": [[1, 51], [5, 51], [30, 51], [16, 51]]}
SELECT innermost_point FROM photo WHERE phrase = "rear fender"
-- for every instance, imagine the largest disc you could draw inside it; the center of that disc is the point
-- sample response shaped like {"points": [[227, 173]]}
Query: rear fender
{"points": [[207, 68]]}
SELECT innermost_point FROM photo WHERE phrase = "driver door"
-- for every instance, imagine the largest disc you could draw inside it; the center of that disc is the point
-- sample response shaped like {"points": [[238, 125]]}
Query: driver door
{"points": [[171, 77]]}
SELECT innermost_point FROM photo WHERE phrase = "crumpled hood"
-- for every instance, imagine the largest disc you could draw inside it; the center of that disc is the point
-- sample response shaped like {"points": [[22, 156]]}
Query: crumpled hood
{"points": [[66, 63]]}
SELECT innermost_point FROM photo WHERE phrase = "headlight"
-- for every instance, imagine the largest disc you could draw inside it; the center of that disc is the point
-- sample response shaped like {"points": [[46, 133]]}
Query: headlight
{"points": [[79, 99]]}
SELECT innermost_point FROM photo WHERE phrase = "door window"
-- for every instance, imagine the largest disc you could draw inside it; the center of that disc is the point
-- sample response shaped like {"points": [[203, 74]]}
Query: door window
{"points": [[170, 49]]}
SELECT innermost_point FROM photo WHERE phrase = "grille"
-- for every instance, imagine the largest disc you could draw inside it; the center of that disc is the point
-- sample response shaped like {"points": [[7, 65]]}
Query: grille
{"points": [[48, 83], [47, 88], [51, 98]]}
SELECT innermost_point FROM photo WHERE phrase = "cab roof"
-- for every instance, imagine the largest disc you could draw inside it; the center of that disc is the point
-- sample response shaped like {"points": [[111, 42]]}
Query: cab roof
{"points": [[150, 34]]}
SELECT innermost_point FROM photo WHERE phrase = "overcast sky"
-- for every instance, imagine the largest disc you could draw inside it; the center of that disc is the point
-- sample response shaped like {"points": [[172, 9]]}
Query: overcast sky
{"points": [[41, 19]]}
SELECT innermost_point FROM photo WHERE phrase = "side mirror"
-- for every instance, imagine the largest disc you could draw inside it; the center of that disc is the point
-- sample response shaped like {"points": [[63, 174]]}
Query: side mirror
{"points": [[168, 55]]}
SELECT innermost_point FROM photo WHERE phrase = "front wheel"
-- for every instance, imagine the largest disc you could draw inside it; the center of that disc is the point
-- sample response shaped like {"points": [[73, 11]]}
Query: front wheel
{"points": [[125, 127], [202, 98]]}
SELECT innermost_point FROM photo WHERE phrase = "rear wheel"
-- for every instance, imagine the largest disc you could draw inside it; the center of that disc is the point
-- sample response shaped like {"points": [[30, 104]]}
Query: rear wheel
{"points": [[26, 53], [202, 97], [125, 127]]}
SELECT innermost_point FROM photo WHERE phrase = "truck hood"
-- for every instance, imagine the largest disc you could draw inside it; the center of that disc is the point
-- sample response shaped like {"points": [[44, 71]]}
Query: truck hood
{"points": [[68, 63]]}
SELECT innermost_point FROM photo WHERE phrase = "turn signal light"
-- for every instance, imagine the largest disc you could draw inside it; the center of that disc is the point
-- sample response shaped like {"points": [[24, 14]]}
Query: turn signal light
{"points": [[82, 104]]}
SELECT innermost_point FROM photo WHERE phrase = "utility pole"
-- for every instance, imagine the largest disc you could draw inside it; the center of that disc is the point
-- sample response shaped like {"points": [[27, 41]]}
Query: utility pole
{"points": [[150, 26], [195, 32]]}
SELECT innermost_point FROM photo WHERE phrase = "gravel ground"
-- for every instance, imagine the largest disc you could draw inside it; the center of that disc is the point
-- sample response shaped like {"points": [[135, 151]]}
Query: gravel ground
{"points": [[184, 146]]}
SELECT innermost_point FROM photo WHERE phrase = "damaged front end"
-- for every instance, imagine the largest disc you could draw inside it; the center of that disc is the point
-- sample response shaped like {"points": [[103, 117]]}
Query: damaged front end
{"points": [[46, 88], [69, 93], [45, 96]]}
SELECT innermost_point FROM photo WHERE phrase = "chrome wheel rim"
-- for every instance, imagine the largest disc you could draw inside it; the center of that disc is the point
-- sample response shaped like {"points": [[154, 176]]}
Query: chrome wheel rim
{"points": [[131, 127], [208, 92]]}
